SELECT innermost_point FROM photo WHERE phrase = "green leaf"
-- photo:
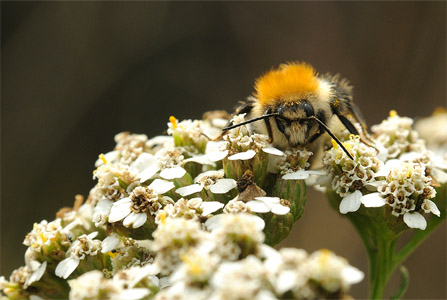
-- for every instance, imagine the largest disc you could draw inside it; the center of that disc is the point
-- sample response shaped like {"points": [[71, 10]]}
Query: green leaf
{"points": [[403, 285]]}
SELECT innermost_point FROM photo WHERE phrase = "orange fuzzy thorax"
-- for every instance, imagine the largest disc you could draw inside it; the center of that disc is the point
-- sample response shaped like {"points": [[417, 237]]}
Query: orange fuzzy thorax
{"points": [[287, 83]]}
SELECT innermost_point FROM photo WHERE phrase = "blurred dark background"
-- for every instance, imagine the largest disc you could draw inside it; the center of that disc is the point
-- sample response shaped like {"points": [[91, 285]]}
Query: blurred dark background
{"points": [[76, 73]]}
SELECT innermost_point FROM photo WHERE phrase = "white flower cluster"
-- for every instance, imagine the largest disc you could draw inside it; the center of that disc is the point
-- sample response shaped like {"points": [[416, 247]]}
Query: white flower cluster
{"points": [[407, 190], [397, 135], [229, 261], [349, 175], [174, 217], [374, 180], [433, 130]]}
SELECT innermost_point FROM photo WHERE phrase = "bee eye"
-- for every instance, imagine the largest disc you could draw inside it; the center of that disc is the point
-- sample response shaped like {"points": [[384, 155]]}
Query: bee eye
{"points": [[307, 107]]}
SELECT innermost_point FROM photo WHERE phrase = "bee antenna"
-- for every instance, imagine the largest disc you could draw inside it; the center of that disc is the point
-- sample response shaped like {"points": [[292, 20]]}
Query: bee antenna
{"points": [[250, 121], [332, 135]]}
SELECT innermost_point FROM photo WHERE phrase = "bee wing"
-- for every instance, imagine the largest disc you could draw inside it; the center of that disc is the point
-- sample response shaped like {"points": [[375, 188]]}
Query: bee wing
{"points": [[351, 116], [346, 110]]}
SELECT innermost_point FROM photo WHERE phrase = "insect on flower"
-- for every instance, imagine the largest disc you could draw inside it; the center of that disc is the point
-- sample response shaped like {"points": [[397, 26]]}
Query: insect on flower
{"points": [[296, 105]]}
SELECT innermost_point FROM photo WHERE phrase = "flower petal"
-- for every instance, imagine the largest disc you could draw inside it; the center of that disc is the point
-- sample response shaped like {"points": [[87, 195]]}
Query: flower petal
{"points": [[243, 155], [189, 190], [223, 185], [135, 219], [161, 186], [431, 206], [36, 275], [440, 175], [103, 206], [258, 206], [350, 203], [120, 209], [351, 275], [172, 173], [269, 200], [286, 281], [415, 220], [300, 174], [109, 243], [279, 209], [66, 267], [386, 168], [149, 172], [217, 155], [144, 161], [200, 159], [208, 207], [373, 200], [273, 150]]}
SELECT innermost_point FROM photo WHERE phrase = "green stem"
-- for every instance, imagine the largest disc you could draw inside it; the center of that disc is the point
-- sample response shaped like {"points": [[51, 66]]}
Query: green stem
{"points": [[381, 267]]}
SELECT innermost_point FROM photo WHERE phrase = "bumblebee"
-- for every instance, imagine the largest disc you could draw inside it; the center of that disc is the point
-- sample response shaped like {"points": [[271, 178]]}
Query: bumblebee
{"points": [[295, 105]]}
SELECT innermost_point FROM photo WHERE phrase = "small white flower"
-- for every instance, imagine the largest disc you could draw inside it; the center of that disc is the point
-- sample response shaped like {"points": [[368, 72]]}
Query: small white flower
{"points": [[415, 220], [267, 204], [83, 246], [351, 202], [243, 155], [120, 209], [223, 186]]}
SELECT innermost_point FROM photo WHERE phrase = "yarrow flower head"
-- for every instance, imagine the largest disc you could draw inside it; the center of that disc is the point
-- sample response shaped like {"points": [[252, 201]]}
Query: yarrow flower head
{"points": [[352, 179], [407, 190], [397, 136]]}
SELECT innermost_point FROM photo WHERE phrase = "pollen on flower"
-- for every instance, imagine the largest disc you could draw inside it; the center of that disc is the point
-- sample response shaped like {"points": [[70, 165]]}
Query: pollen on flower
{"points": [[173, 121], [393, 113], [103, 158]]}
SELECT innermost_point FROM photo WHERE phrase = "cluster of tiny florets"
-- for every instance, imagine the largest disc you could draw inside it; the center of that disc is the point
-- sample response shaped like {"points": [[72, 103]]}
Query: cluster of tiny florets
{"points": [[407, 188], [129, 146], [177, 216], [295, 159], [350, 175], [397, 135]]}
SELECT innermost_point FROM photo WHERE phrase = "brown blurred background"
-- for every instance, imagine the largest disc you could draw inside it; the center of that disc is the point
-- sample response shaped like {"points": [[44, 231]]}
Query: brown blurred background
{"points": [[76, 73]]}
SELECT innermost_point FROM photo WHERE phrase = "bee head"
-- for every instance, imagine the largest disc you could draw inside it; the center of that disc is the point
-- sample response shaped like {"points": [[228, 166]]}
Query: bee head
{"points": [[287, 84]]}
